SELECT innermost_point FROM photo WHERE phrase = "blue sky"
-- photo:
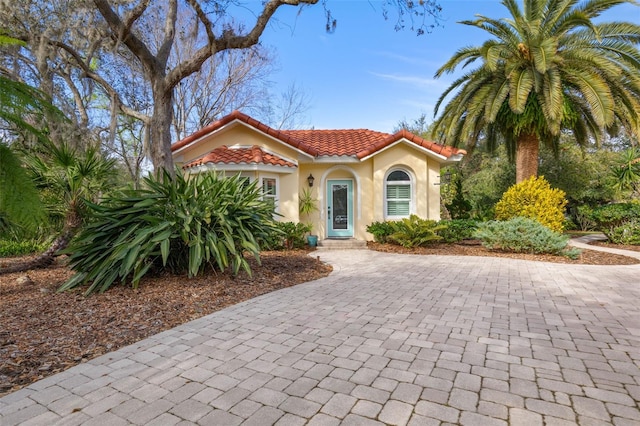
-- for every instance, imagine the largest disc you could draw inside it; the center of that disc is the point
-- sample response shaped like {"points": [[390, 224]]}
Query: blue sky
{"points": [[366, 74]]}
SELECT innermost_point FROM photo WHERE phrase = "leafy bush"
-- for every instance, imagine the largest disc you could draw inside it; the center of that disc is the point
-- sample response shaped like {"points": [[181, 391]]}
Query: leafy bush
{"points": [[583, 218], [619, 222], [287, 235], [534, 198], [459, 207], [629, 233], [523, 235], [9, 248], [183, 225], [415, 232], [381, 230], [457, 230]]}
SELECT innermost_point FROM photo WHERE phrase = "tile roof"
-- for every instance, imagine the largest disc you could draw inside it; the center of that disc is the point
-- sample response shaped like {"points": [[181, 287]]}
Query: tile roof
{"points": [[240, 155], [357, 143]]}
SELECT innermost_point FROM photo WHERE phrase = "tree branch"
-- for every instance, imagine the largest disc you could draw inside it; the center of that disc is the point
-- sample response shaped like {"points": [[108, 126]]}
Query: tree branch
{"points": [[169, 33], [134, 15], [101, 81], [228, 39], [137, 47]]}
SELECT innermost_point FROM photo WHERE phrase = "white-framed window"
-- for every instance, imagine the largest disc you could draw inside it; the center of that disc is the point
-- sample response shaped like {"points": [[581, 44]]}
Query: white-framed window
{"points": [[398, 194], [270, 190]]}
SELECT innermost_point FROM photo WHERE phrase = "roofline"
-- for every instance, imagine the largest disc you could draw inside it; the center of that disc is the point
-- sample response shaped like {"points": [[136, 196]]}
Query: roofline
{"points": [[434, 149], [248, 121], [239, 167]]}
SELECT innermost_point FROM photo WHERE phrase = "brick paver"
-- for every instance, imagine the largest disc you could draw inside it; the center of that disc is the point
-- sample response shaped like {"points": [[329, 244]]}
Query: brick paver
{"points": [[385, 339]]}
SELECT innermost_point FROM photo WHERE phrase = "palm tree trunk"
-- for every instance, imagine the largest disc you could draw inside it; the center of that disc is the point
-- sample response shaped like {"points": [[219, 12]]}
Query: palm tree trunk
{"points": [[72, 224], [527, 151], [45, 259]]}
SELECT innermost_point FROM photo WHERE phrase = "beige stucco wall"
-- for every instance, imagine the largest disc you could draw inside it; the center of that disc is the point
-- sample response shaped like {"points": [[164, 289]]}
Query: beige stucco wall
{"points": [[368, 179], [425, 172]]}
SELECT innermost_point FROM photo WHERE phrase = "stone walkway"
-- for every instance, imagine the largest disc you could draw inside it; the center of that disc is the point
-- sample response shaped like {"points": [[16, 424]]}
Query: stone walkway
{"points": [[385, 339]]}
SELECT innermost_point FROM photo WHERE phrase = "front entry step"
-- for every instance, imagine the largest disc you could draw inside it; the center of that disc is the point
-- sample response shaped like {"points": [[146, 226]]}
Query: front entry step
{"points": [[341, 244]]}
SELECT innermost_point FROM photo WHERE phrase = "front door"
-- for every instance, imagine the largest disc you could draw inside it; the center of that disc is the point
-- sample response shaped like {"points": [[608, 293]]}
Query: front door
{"points": [[339, 208]]}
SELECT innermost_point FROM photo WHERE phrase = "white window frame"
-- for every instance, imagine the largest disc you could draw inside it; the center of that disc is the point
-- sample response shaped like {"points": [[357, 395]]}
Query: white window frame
{"points": [[276, 196], [411, 200]]}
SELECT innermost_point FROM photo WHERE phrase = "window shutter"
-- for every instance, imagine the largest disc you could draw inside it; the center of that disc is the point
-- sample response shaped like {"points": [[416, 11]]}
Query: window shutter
{"points": [[398, 208]]}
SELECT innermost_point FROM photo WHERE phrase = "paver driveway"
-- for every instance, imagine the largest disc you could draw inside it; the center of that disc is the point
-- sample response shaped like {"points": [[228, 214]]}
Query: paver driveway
{"points": [[386, 338]]}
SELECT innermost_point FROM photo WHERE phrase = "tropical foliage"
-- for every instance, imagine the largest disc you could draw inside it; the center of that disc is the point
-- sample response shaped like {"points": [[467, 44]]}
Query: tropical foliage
{"points": [[21, 107], [178, 224], [549, 67], [534, 199], [627, 173], [286, 235], [20, 206], [415, 232]]}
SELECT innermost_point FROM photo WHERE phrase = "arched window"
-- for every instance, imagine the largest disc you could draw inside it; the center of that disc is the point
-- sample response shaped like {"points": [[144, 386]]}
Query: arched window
{"points": [[398, 195]]}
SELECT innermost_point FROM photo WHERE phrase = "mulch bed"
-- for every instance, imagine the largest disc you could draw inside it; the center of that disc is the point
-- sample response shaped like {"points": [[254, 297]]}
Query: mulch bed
{"points": [[616, 246], [43, 332], [474, 248]]}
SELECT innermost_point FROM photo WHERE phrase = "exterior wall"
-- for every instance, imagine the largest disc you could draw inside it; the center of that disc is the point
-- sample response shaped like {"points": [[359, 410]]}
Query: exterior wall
{"points": [[368, 179], [424, 171], [241, 135], [360, 174]]}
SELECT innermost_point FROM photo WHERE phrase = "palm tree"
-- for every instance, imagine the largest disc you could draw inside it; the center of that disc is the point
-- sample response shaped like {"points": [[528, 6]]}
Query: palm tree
{"points": [[627, 174], [548, 69], [68, 179]]}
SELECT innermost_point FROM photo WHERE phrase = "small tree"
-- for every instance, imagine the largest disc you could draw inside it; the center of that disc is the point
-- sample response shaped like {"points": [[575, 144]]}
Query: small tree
{"points": [[459, 207]]}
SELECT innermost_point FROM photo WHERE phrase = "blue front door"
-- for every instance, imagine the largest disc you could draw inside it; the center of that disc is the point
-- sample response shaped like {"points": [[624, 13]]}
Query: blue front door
{"points": [[339, 208]]}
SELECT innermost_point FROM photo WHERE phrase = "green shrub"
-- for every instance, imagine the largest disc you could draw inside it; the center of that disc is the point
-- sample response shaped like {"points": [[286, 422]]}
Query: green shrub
{"points": [[415, 232], [459, 207], [182, 225], [457, 230], [287, 235], [523, 235], [534, 198], [629, 233], [613, 216], [583, 218], [381, 230], [9, 248]]}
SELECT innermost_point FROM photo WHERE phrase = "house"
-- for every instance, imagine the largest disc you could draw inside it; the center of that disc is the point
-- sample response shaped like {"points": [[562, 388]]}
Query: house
{"points": [[357, 176]]}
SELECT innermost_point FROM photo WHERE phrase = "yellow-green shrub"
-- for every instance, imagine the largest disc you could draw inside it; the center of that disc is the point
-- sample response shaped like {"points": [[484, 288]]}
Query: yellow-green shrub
{"points": [[535, 199]]}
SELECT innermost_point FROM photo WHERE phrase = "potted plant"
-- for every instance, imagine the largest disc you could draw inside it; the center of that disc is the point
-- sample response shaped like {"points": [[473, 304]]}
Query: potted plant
{"points": [[306, 206]]}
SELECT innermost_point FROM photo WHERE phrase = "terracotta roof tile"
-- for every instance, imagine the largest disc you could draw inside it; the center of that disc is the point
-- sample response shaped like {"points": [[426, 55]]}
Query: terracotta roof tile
{"points": [[241, 155], [357, 143], [337, 142]]}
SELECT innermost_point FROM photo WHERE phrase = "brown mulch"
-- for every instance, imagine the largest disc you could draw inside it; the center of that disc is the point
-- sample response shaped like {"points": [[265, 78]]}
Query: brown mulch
{"points": [[474, 248], [616, 246], [43, 332]]}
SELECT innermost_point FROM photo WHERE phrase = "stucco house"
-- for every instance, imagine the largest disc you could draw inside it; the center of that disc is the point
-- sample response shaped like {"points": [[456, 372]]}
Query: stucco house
{"points": [[357, 176]]}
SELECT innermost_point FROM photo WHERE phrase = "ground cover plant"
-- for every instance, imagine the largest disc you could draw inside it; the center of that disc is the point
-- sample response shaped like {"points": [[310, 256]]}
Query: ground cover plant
{"points": [[176, 224], [524, 235]]}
